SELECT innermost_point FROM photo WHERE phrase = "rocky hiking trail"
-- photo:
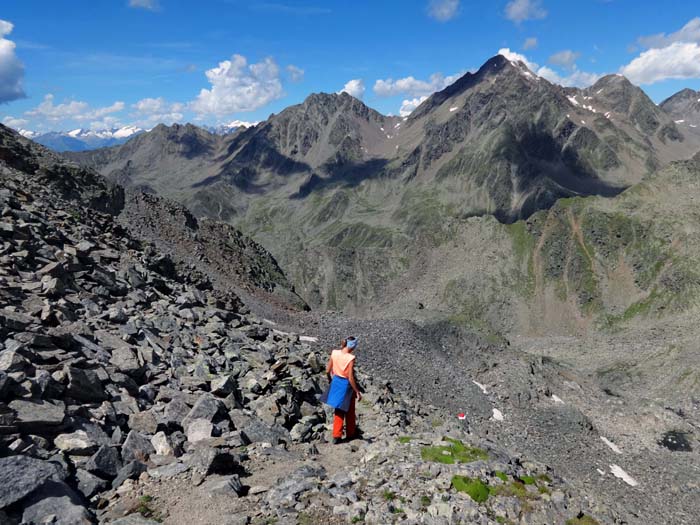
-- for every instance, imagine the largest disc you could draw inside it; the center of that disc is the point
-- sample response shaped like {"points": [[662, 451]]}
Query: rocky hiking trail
{"points": [[134, 391]]}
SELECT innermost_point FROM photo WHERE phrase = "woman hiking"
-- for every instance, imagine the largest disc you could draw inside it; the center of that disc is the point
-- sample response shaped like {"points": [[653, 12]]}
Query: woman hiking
{"points": [[343, 390]]}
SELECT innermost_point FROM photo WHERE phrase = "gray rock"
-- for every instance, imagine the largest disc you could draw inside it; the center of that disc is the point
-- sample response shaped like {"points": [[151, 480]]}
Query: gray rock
{"points": [[175, 412], [21, 475], [84, 385], [15, 321], [105, 462], [256, 431], [89, 484], [136, 447], [168, 471], [207, 407], [131, 470], [126, 360], [223, 386], [13, 361], [209, 460], [143, 422], [38, 416], [56, 503], [227, 486]]}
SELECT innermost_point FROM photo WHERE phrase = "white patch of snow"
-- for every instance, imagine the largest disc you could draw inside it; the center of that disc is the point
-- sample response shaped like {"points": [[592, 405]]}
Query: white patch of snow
{"points": [[568, 116], [573, 101], [692, 125], [382, 129], [75, 132], [679, 121], [397, 126], [497, 415], [308, 339], [405, 119], [612, 445], [583, 122], [126, 131], [600, 472], [482, 387], [279, 332], [27, 133], [455, 108], [607, 115], [557, 399], [590, 108], [599, 91], [619, 473], [269, 322]]}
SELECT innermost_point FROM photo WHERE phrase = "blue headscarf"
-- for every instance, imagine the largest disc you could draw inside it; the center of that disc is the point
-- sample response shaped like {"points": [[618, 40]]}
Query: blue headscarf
{"points": [[351, 342]]}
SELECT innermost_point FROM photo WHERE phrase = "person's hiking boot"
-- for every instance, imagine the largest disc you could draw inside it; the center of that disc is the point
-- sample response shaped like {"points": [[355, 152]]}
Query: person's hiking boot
{"points": [[357, 435], [336, 441]]}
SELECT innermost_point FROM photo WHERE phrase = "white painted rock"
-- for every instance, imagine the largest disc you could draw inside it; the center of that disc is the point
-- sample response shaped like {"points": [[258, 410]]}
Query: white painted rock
{"points": [[497, 415], [619, 473], [612, 445], [482, 387]]}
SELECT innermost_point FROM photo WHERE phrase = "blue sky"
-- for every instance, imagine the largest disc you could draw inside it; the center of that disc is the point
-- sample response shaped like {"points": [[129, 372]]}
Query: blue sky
{"points": [[80, 63]]}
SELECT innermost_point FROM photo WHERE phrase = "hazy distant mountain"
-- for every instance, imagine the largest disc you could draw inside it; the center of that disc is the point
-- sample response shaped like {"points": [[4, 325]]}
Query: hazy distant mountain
{"points": [[231, 127], [83, 139]]}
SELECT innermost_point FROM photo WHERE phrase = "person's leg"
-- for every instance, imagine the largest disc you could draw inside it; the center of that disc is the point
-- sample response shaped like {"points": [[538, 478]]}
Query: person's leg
{"points": [[338, 418], [350, 426]]}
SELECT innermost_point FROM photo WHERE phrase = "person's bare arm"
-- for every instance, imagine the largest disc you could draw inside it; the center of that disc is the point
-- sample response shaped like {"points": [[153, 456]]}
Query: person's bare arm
{"points": [[329, 368], [351, 378]]}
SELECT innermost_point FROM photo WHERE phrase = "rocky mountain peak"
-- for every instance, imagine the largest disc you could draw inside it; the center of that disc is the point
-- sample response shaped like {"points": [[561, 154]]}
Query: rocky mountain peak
{"points": [[684, 107]]}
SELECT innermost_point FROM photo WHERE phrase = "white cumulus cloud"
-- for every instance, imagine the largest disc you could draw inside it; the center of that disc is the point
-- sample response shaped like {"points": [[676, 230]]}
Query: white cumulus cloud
{"points": [[11, 69], [575, 77], [152, 111], [678, 60], [239, 86], [674, 55], [73, 110], [407, 106], [443, 10], [15, 123], [354, 87], [521, 10], [413, 87], [690, 32], [518, 57]]}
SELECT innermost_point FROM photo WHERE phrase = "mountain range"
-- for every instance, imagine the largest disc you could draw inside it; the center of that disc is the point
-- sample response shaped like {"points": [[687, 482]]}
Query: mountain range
{"points": [[87, 139], [332, 180]]}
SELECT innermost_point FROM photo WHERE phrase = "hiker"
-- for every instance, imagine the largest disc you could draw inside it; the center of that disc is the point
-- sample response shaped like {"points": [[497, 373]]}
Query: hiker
{"points": [[343, 390]]}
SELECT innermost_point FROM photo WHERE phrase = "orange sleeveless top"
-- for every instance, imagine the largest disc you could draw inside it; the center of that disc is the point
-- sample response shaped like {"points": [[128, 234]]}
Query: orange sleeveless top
{"points": [[341, 363]]}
